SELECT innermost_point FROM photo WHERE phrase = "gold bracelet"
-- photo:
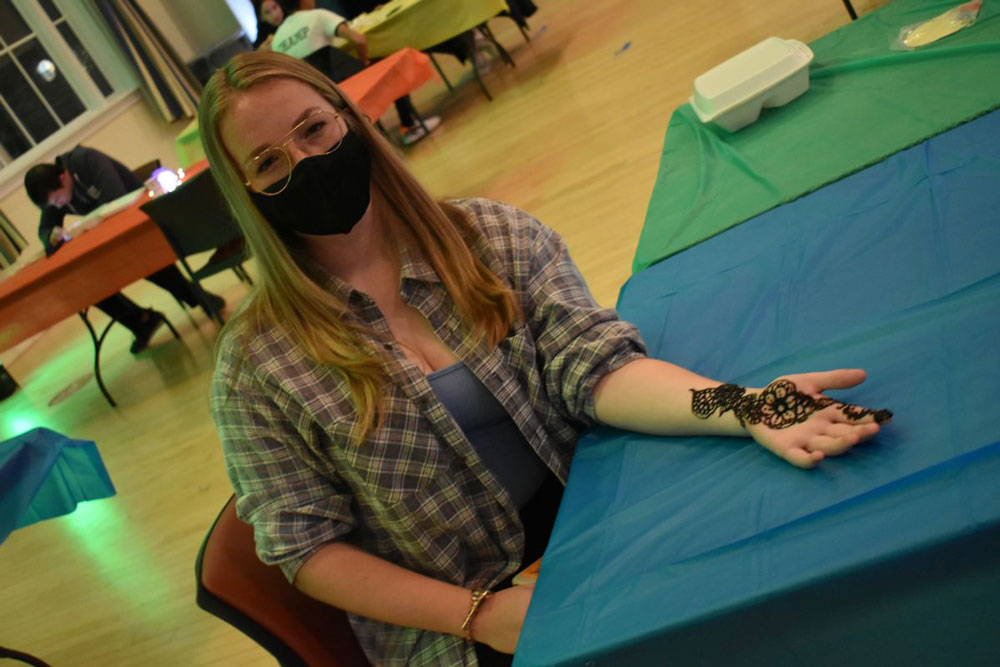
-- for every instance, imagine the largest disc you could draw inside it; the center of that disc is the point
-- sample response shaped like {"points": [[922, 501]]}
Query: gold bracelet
{"points": [[477, 599]]}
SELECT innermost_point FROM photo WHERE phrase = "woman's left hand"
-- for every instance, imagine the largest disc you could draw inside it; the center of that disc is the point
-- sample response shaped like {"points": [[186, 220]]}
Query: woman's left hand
{"points": [[801, 425]]}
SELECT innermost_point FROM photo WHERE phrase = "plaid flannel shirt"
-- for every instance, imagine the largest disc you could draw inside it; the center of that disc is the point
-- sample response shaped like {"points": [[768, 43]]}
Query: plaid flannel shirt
{"points": [[415, 492]]}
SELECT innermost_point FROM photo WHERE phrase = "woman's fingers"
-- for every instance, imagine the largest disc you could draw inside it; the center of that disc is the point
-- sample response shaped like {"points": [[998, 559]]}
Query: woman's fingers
{"points": [[847, 413], [841, 437], [800, 457], [833, 445], [820, 381], [862, 431]]}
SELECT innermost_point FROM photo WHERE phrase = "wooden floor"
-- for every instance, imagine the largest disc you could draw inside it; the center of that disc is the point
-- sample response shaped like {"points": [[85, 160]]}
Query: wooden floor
{"points": [[573, 135]]}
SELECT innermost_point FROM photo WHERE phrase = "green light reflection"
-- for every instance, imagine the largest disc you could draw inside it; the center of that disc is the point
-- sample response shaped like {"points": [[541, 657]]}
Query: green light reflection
{"points": [[124, 563], [17, 423]]}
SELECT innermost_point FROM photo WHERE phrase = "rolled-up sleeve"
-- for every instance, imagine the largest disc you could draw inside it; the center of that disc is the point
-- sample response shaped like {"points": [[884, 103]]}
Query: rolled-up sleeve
{"points": [[293, 507], [577, 340]]}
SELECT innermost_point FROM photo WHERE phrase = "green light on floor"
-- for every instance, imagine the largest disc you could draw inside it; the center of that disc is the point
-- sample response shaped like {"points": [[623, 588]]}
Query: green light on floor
{"points": [[16, 424], [112, 542]]}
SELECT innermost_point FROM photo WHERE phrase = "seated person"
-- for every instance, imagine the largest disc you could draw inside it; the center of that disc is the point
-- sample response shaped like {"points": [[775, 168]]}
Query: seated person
{"points": [[79, 182], [401, 396], [268, 20], [305, 32]]}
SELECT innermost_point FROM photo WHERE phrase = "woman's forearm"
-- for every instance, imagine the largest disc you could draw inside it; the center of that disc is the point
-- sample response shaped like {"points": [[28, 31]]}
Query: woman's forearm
{"points": [[354, 580], [653, 396]]}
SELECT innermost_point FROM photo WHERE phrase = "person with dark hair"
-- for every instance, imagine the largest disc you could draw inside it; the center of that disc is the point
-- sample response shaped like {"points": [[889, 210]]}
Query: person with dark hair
{"points": [[77, 183], [268, 20]]}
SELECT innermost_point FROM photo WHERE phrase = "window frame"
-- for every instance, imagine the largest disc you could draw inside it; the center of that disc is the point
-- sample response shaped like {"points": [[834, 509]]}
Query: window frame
{"points": [[88, 25]]}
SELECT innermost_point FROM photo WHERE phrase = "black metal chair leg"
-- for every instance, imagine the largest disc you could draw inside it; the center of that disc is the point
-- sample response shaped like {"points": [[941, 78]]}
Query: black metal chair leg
{"points": [[98, 341], [440, 71], [479, 80], [20, 656], [485, 29], [242, 274], [169, 326]]}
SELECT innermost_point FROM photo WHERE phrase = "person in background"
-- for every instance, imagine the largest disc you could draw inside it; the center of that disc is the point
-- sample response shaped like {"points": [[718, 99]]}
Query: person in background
{"points": [[77, 183], [268, 20], [399, 399], [305, 34]]}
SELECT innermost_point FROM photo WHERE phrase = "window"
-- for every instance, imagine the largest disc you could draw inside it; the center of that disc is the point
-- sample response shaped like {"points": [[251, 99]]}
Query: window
{"points": [[48, 77]]}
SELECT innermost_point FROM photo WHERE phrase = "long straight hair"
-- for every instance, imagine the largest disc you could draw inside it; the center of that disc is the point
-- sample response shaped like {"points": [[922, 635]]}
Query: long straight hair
{"points": [[285, 296]]}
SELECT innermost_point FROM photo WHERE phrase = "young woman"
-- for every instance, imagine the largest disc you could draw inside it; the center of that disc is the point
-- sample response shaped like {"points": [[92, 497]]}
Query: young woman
{"points": [[400, 398]]}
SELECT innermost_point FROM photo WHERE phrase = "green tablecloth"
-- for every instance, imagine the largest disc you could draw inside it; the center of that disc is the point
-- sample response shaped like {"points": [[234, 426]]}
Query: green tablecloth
{"points": [[865, 102], [420, 24]]}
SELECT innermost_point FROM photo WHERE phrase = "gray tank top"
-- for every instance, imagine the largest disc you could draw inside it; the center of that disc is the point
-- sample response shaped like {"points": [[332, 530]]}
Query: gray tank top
{"points": [[492, 432]]}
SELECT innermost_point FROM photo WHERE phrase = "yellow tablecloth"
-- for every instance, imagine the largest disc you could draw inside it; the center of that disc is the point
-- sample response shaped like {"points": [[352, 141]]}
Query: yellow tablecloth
{"points": [[421, 24]]}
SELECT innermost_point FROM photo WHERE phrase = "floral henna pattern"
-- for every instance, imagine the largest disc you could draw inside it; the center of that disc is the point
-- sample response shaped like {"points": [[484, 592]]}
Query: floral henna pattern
{"points": [[779, 406]]}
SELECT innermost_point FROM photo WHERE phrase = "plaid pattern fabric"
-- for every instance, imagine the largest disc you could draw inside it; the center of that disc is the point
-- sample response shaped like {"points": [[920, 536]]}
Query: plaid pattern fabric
{"points": [[415, 492]]}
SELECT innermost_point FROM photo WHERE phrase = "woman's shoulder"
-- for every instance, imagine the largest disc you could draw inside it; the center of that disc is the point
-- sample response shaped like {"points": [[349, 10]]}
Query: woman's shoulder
{"points": [[253, 354], [502, 224]]}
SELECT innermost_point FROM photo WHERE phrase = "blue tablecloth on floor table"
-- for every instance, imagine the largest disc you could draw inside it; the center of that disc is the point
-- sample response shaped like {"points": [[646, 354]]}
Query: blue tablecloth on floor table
{"points": [[711, 551], [44, 474]]}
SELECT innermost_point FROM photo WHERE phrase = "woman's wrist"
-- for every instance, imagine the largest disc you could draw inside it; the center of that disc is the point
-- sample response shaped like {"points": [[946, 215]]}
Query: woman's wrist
{"points": [[477, 600]]}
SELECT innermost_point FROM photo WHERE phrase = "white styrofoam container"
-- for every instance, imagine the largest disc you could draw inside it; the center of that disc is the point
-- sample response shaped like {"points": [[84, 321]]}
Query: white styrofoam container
{"points": [[769, 74]]}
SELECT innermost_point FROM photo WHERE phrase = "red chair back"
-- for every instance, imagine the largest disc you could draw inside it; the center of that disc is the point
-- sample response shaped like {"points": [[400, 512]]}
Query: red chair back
{"points": [[257, 599]]}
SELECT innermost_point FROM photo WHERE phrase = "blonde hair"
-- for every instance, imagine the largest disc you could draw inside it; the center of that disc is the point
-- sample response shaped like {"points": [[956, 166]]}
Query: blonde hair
{"points": [[286, 297]]}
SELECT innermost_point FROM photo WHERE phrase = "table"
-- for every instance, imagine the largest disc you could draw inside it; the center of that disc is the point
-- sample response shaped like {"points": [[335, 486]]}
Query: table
{"points": [[421, 24], [44, 474], [373, 90], [124, 248], [703, 551], [865, 102]]}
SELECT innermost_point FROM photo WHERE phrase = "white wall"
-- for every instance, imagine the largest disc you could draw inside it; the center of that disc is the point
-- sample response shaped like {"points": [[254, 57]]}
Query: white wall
{"points": [[192, 27]]}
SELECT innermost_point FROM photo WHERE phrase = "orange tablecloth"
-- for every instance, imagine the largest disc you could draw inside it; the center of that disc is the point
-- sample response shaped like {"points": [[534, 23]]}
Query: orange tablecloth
{"points": [[125, 247], [372, 90], [377, 86]]}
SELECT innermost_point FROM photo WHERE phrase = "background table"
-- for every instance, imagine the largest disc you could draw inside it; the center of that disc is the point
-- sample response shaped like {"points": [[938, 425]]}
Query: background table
{"points": [[373, 90], [124, 248], [865, 102], [421, 24], [712, 551]]}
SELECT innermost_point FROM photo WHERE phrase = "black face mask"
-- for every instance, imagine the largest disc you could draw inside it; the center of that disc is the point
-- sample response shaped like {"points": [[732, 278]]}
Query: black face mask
{"points": [[328, 194]]}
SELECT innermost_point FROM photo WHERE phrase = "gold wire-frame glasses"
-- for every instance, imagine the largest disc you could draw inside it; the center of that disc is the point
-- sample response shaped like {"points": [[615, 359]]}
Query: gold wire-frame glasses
{"points": [[270, 171]]}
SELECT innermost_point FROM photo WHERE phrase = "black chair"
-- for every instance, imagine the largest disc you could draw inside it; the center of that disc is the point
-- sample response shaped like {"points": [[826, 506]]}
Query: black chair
{"points": [[334, 63], [256, 599], [194, 218], [463, 47]]}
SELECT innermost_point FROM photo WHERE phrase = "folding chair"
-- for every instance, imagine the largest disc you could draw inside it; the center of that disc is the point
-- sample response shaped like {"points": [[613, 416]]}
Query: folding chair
{"points": [[194, 218], [257, 599]]}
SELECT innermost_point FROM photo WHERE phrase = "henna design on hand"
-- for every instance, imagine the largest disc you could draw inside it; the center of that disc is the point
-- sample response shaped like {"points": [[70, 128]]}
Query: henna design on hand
{"points": [[778, 406]]}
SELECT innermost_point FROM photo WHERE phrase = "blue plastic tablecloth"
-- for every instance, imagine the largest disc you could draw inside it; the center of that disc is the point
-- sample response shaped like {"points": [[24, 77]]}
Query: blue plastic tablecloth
{"points": [[44, 474], [712, 551]]}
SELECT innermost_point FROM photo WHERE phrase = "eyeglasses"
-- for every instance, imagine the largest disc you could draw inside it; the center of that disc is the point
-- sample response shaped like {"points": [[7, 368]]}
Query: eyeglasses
{"points": [[270, 171]]}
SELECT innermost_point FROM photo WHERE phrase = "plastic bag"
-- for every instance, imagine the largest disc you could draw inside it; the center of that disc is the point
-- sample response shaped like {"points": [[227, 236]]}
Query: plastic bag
{"points": [[920, 34]]}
